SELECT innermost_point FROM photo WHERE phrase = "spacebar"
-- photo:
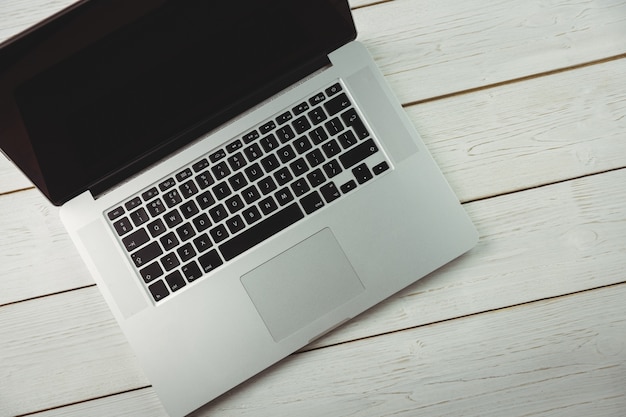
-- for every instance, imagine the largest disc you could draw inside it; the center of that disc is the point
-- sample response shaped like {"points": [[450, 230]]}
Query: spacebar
{"points": [[261, 231]]}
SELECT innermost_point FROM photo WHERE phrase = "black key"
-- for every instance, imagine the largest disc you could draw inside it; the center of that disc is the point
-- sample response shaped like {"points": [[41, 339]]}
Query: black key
{"points": [[235, 224], [270, 163], [261, 231], [331, 148], [169, 241], [210, 261], [237, 161], [283, 176], [189, 209], [204, 180], [337, 104], [347, 139], [301, 125], [134, 203], [315, 157], [135, 240], [251, 136], [151, 272], [192, 271], [312, 202], [220, 171], [186, 252], [200, 165], [349, 186], [251, 215], [269, 143], [267, 185], [300, 187], [237, 181], [217, 155], [144, 255], [330, 192], [302, 144], [150, 194], [172, 198], [333, 89], [156, 228], [218, 233], [233, 146], [358, 153], [318, 135], [183, 175], [316, 178], [284, 118], [173, 218], [156, 207], [202, 242], [267, 205], [167, 184], [123, 226], [286, 154], [115, 213], [218, 213], [332, 168], [253, 172], [175, 281], [352, 119], [380, 168], [158, 290], [185, 232], [267, 127], [285, 134], [188, 189], [334, 126], [170, 261], [317, 99], [251, 194], [300, 108], [221, 191], [139, 216], [205, 200], [253, 152], [298, 167], [317, 115], [201, 222], [234, 204], [362, 173], [283, 196]]}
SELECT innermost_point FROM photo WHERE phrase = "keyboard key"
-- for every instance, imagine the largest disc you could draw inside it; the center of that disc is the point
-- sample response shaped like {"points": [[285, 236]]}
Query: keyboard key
{"points": [[170, 261], [183, 175], [362, 173], [268, 205], [337, 104], [269, 143], [185, 232], [135, 240], [218, 213], [219, 233], [122, 226], [156, 207], [348, 186], [156, 228], [283, 176], [285, 134], [284, 118], [235, 224], [175, 281], [191, 271], [202, 222], [132, 204], [267, 185], [251, 136], [283, 196], [234, 204], [317, 115], [188, 189], [220, 171], [315, 157], [210, 261], [145, 255], [286, 154], [270, 163], [233, 146], [150, 194], [204, 180], [167, 184], [151, 272], [380, 168], [253, 152], [237, 161], [200, 165], [331, 148], [189, 209], [358, 153], [334, 126], [221, 191], [298, 167], [169, 241], [267, 127], [301, 125], [317, 99], [352, 119], [186, 252], [251, 194], [312, 202], [172, 198], [261, 231], [158, 290], [332, 168], [237, 181], [300, 187], [347, 139], [330, 192], [251, 215], [300, 108], [202, 242], [115, 213], [302, 144], [316, 178], [217, 155], [333, 89], [205, 200], [318, 135], [173, 218]]}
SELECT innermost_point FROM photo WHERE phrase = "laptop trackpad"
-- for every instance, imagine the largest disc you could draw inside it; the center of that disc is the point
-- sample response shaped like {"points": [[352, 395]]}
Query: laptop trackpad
{"points": [[302, 284]]}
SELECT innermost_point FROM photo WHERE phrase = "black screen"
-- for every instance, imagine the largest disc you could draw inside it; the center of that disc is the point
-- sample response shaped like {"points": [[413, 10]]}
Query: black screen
{"points": [[108, 87]]}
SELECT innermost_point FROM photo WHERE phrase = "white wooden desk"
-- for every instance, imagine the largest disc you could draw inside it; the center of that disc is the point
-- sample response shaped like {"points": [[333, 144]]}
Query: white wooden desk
{"points": [[523, 105]]}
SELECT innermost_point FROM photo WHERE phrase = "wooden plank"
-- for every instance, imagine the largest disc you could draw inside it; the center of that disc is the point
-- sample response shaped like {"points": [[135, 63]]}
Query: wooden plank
{"points": [[560, 357], [539, 243]]}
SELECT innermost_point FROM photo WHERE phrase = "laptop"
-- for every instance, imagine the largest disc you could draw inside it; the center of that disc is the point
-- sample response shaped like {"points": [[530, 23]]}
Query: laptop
{"points": [[237, 176]]}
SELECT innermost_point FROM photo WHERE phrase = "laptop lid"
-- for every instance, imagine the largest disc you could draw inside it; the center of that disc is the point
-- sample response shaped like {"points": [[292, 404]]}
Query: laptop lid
{"points": [[104, 89]]}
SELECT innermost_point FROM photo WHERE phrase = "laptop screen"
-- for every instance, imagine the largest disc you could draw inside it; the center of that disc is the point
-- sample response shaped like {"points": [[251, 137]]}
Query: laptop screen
{"points": [[108, 87]]}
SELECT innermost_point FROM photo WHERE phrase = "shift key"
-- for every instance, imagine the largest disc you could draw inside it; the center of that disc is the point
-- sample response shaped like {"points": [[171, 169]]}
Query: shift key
{"points": [[359, 153], [145, 255]]}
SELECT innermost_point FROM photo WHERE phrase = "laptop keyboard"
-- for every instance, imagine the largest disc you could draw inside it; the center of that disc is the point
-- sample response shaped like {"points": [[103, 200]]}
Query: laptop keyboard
{"points": [[230, 200]]}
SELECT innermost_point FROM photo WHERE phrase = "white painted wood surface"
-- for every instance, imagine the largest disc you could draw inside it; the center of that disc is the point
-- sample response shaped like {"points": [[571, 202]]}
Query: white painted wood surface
{"points": [[523, 105]]}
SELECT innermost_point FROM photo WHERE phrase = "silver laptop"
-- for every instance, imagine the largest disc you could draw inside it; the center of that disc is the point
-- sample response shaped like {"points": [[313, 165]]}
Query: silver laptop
{"points": [[237, 176]]}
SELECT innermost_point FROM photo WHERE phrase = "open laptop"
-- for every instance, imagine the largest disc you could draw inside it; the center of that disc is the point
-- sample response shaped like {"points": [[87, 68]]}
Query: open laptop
{"points": [[237, 176]]}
